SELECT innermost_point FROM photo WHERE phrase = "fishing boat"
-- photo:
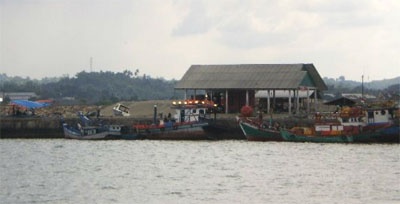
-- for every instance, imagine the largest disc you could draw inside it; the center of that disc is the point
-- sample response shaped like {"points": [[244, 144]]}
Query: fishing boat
{"points": [[92, 132], [326, 133], [187, 123], [349, 125], [86, 129], [121, 110], [384, 121], [256, 130]]}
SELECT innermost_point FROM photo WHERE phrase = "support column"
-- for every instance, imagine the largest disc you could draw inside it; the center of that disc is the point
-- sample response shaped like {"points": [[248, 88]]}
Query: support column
{"points": [[194, 97], [273, 99], [247, 97], [308, 100], [226, 102], [290, 103], [185, 96], [297, 101], [315, 100], [268, 102]]}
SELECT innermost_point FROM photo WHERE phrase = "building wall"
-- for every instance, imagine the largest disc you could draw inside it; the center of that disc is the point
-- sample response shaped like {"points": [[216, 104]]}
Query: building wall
{"points": [[237, 99]]}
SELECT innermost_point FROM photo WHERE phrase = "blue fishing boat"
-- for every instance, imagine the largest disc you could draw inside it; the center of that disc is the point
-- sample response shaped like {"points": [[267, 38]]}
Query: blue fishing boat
{"points": [[91, 132], [88, 130]]}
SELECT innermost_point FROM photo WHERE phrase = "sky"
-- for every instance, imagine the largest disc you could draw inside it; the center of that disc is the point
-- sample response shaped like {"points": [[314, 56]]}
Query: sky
{"points": [[163, 38]]}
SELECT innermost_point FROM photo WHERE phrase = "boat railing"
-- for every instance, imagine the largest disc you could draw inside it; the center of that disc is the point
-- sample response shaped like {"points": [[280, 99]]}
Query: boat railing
{"points": [[325, 116]]}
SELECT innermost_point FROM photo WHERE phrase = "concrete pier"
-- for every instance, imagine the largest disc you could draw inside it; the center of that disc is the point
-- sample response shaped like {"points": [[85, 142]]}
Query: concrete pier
{"points": [[224, 127], [51, 127]]}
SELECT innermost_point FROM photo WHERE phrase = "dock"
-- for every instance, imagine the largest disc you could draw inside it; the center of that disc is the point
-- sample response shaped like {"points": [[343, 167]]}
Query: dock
{"points": [[225, 126]]}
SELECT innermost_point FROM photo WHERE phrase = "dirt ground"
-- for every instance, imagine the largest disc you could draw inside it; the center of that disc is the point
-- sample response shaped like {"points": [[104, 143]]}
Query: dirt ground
{"points": [[141, 108], [138, 109]]}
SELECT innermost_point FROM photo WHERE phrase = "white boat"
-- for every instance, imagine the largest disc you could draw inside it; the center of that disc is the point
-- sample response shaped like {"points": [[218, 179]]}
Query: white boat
{"points": [[121, 110]]}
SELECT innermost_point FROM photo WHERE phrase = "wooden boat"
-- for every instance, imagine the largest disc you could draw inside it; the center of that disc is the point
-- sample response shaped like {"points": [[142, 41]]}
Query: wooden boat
{"points": [[187, 123], [254, 130], [92, 132], [375, 125], [319, 133], [86, 130], [390, 134], [351, 125], [121, 110]]}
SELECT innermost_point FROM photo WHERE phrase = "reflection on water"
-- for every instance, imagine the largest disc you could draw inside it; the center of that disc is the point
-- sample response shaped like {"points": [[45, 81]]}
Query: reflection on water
{"points": [[70, 171]]}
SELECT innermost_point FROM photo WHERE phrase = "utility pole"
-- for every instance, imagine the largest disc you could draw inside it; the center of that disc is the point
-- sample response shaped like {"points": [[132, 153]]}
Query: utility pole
{"points": [[362, 87]]}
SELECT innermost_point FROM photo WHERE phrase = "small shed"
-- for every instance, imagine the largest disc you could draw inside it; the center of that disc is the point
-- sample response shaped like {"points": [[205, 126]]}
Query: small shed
{"points": [[233, 86], [351, 99], [342, 101]]}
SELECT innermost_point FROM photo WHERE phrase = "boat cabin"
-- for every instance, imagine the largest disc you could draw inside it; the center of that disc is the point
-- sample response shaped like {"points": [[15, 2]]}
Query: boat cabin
{"points": [[191, 110], [358, 116], [378, 116]]}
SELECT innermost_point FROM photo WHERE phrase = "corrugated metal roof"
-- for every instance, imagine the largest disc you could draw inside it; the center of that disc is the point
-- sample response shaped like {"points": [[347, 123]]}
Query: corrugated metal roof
{"points": [[248, 76]]}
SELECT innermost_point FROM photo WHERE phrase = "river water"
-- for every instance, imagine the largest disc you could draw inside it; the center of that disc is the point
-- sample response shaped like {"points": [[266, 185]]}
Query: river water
{"points": [[228, 171]]}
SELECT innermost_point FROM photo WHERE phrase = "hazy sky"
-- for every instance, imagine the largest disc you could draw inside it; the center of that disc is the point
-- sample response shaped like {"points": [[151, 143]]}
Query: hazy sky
{"points": [[162, 38]]}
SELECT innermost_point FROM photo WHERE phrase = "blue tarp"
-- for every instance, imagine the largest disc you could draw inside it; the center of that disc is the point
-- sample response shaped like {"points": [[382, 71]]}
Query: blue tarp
{"points": [[29, 104]]}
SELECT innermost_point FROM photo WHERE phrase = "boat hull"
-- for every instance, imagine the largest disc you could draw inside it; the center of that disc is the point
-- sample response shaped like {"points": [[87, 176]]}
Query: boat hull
{"points": [[291, 137], [131, 137], [253, 133], [97, 134], [390, 135], [193, 131], [386, 135]]}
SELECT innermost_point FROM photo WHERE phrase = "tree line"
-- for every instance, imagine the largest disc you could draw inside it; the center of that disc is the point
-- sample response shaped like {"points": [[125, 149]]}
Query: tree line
{"points": [[106, 87], [95, 87]]}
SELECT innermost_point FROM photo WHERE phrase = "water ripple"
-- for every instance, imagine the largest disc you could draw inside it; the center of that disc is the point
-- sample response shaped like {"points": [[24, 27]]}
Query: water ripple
{"points": [[70, 171]]}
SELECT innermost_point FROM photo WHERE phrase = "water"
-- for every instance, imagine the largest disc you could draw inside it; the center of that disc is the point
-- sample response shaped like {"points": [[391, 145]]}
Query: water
{"points": [[71, 171]]}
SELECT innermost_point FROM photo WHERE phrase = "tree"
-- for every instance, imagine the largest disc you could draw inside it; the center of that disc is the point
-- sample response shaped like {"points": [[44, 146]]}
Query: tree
{"points": [[128, 73]]}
